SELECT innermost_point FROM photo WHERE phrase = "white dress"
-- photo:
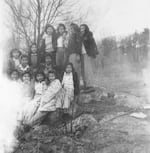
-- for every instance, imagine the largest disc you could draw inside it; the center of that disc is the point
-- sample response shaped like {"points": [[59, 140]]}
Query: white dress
{"points": [[32, 106], [48, 43], [68, 85], [49, 98]]}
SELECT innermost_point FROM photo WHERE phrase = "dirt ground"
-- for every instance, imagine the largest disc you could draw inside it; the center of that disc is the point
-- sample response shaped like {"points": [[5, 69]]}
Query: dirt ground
{"points": [[116, 124]]}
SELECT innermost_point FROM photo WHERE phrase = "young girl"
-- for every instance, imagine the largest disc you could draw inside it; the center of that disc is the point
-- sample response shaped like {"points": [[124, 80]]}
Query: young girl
{"points": [[61, 55], [48, 65], [14, 61], [70, 83], [74, 48], [27, 86], [49, 99], [14, 76], [50, 42], [89, 53], [40, 87], [40, 84], [24, 65], [34, 57]]}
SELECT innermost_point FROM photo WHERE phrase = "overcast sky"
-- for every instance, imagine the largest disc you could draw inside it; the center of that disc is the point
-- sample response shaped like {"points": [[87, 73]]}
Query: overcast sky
{"points": [[108, 17], [117, 17]]}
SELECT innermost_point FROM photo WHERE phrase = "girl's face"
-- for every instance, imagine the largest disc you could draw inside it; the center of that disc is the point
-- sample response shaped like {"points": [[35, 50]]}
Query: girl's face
{"points": [[40, 77], [14, 75], [24, 61], [82, 29], [16, 54], [68, 69], [72, 29], [49, 30], [61, 30], [48, 60], [34, 49], [51, 77], [26, 77]]}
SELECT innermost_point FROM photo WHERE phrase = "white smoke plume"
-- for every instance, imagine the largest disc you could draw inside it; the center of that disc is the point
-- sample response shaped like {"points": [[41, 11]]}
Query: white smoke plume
{"points": [[10, 94]]}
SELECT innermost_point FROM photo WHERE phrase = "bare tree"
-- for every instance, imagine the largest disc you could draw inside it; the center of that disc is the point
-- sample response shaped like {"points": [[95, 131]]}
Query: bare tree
{"points": [[30, 17]]}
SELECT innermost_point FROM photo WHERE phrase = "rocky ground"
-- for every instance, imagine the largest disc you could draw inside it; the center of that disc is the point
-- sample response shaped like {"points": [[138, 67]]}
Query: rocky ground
{"points": [[112, 121]]}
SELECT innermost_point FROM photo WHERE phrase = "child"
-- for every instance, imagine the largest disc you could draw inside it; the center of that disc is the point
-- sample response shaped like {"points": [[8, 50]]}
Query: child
{"points": [[14, 75], [61, 55], [27, 86], [49, 99], [40, 84], [24, 65], [48, 65], [50, 42], [70, 83], [14, 61], [34, 58]]}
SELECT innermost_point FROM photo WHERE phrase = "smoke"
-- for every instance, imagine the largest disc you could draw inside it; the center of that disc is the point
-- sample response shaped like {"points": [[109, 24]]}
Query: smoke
{"points": [[10, 106], [10, 94], [146, 79]]}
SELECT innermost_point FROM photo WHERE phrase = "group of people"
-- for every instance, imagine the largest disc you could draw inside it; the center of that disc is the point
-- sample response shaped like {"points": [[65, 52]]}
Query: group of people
{"points": [[51, 74]]}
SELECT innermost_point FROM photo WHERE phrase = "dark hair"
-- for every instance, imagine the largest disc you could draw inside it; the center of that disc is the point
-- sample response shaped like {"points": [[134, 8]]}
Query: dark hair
{"points": [[39, 72], [24, 56], [32, 45], [12, 71], [14, 49], [73, 69], [75, 27], [52, 72], [26, 72], [86, 27], [61, 25], [47, 55], [49, 25]]}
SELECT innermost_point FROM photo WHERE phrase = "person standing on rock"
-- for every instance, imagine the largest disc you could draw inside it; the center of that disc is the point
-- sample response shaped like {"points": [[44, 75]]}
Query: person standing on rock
{"points": [[49, 42], [70, 83], [61, 55], [88, 56], [74, 48]]}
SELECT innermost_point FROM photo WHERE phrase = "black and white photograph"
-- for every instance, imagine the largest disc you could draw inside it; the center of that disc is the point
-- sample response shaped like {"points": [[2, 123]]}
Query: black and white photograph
{"points": [[75, 76]]}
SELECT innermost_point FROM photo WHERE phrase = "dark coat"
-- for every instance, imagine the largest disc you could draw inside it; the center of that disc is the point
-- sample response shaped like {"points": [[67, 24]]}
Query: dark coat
{"points": [[90, 44], [74, 44], [43, 47]]}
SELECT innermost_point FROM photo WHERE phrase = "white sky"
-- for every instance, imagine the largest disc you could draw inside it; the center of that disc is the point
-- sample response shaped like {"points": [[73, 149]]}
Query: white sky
{"points": [[108, 17], [117, 17]]}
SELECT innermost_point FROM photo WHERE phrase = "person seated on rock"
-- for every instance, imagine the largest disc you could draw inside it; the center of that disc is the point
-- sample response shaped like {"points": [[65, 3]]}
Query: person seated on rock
{"points": [[27, 85], [47, 65], [40, 84], [50, 100], [14, 76], [14, 60], [24, 65], [70, 83]]}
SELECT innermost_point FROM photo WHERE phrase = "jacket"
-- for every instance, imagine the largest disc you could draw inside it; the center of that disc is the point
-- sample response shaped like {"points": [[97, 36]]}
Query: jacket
{"points": [[74, 44], [90, 44]]}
